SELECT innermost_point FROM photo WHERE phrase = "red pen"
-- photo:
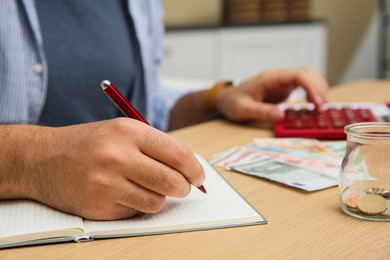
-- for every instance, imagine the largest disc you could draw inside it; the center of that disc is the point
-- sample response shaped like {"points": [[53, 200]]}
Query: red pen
{"points": [[127, 109]]}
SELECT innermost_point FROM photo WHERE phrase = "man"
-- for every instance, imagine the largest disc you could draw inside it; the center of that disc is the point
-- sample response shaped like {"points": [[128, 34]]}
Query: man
{"points": [[54, 55]]}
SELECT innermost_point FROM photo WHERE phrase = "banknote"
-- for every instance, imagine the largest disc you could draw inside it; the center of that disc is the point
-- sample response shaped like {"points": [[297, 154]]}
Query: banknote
{"points": [[291, 175], [223, 155], [315, 166], [302, 146], [329, 166], [236, 155], [338, 147]]}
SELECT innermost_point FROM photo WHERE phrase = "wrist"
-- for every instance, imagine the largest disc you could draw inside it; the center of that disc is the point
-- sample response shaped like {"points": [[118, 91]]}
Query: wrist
{"points": [[210, 96]]}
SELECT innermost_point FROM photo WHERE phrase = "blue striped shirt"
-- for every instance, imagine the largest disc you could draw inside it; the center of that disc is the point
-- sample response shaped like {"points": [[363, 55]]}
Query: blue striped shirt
{"points": [[24, 72]]}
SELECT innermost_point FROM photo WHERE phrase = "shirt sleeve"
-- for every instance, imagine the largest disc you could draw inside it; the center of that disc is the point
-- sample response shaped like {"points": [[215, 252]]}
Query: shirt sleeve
{"points": [[164, 100]]}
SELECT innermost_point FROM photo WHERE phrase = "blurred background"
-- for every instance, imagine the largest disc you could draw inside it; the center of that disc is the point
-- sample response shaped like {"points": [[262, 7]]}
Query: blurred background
{"points": [[210, 40]]}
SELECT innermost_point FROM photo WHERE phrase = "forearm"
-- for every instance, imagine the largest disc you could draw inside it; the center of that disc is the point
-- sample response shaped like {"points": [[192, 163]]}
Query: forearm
{"points": [[189, 110], [18, 142], [198, 106]]}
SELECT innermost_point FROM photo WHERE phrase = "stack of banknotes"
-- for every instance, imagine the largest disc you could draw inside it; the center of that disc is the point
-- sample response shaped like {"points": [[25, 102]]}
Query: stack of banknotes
{"points": [[307, 164]]}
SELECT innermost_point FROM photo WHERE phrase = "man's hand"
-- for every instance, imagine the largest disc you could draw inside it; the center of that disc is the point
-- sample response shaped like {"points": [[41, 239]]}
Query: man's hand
{"points": [[105, 170], [256, 98]]}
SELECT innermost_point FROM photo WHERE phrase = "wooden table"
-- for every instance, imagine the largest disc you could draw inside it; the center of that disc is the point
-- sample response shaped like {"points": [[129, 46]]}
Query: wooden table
{"points": [[301, 225]]}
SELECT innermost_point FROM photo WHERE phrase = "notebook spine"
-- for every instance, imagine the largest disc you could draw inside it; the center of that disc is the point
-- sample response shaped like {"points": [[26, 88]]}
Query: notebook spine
{"points": [[83, 238]]}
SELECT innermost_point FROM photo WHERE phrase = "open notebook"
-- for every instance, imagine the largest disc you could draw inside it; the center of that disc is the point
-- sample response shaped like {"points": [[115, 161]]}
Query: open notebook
{"points": [[27, 223]]}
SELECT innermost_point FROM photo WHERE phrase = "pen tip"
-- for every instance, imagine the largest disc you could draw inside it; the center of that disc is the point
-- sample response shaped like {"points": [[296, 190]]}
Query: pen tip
{"points": [[105, 84], [202, 189]]}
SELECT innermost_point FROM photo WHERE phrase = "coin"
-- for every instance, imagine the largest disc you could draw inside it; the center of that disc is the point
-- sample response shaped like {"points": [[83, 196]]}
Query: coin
{"points": [[351, 201], [385, 194], [374, 190], [372, 204]]}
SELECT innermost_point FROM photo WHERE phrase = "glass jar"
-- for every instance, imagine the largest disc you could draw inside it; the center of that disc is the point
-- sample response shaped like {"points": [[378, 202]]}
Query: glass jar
{"points": [[364, 186]]}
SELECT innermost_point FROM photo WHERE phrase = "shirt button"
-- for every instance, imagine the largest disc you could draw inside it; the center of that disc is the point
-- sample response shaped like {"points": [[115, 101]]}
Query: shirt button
{"points": [[38, 69]]}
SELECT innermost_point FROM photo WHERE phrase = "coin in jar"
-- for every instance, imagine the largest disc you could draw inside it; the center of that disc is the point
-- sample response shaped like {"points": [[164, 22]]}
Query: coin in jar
{"points": [[351, 201], [374, 190], [385, 194], [372, 204]]}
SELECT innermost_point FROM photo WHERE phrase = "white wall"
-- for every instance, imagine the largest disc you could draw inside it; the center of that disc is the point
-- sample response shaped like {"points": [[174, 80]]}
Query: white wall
{"points": [[364, 62]]}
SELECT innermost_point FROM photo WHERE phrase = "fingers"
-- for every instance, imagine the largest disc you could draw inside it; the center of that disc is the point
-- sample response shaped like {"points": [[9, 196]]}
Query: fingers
{"points": [[110, 212], [262, 112], [280, 81], [253, 99], [157, 177], [169, 152], [120, 199], [314, 84], [138, 198]]}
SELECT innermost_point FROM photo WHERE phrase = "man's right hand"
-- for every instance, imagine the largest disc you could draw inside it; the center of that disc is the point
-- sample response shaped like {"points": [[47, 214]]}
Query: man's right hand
{"points": [[104, 170]]}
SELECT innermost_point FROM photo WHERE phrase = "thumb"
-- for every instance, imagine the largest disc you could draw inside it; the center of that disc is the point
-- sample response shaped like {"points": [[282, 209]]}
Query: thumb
{"points": [[264, 112]]}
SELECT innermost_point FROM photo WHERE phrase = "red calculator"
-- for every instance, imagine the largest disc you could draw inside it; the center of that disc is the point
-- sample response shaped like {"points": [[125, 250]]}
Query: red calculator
{"points": [[304, 121]]}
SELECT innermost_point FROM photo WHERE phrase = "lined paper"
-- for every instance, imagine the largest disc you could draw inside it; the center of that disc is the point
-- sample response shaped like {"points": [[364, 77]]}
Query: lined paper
{"points": [[20, 217], [221, 207]]}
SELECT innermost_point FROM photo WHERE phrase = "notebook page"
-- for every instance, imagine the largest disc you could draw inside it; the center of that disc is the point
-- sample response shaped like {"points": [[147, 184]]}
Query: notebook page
{"points": [[25, 217], [221, 207]]}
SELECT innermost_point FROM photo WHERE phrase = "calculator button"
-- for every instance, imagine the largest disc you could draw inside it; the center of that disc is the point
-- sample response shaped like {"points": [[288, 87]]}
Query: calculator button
{"points": [[299, 124], [350, 115], [364, 114], [322, 124], [338, 124]]}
